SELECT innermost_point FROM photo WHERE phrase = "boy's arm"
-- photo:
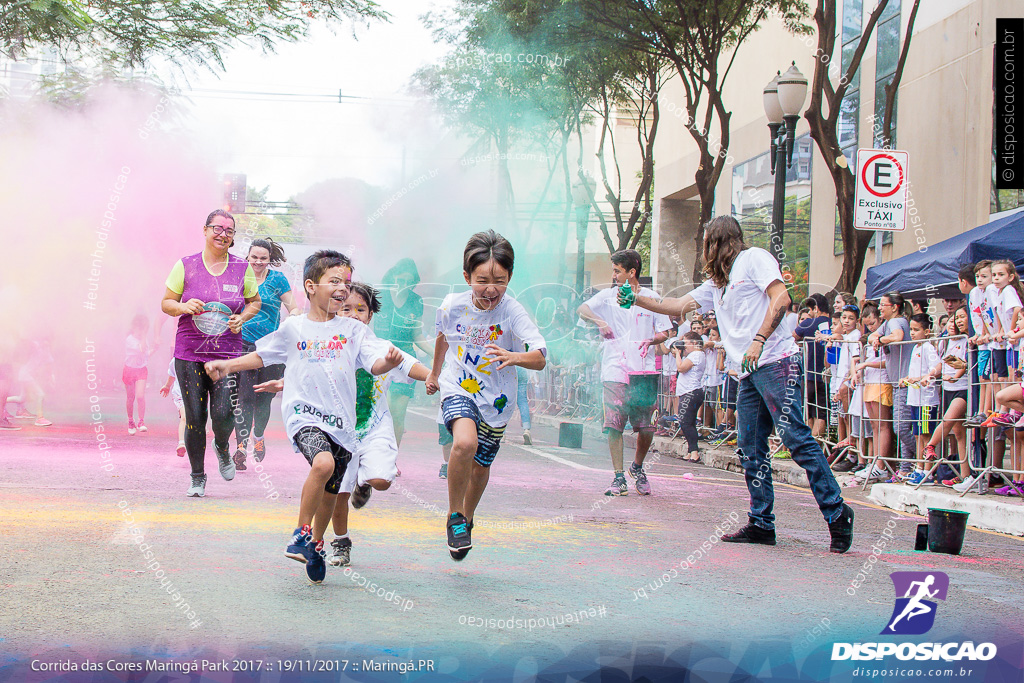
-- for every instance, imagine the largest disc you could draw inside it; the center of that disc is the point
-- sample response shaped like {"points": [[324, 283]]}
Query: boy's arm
{"points": [[440, 350], [218, 369], [530, 360]]}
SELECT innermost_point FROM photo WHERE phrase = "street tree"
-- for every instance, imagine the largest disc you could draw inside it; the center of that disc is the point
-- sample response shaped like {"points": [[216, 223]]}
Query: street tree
{"points": [[823, 113], [700, 40]]}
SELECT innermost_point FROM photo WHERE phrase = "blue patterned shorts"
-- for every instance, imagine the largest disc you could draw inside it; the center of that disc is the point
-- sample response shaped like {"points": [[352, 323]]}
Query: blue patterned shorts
{"points": [[488, 438]]}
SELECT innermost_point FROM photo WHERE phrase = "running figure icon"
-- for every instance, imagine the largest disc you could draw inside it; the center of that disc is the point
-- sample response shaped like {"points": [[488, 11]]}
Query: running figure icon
{"points": [[915, 607], [916, 593]]}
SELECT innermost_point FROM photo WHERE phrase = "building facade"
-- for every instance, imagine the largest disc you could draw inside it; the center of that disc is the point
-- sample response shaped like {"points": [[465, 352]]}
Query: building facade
{"points": [[943, 118]]}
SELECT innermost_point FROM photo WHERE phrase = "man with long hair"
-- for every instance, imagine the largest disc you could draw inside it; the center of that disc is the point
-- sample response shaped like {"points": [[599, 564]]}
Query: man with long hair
{"points": [[746, 290]]}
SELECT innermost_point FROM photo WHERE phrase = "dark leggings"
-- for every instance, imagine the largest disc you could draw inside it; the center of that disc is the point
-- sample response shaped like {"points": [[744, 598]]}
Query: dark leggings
{"points": [[689, 404], [198, 390], [255, 406]]}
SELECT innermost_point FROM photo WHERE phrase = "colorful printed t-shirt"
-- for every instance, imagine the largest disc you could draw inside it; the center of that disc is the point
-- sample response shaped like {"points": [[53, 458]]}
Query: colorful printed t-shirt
{"points": [[321, 359], [191, 278], [467, 370]]}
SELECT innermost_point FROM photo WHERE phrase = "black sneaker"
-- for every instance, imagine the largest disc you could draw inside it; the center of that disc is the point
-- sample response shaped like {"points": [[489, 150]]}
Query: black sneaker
{"points": [[239, 458], [227, 467], [459, 540], [360, 495], [844, 466], [341, 552], [842, 531], [751, 533], [859, 466], [316, 565]]}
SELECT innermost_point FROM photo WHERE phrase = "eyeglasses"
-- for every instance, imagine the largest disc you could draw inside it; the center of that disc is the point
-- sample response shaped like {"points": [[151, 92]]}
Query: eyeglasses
{"points": [[221, 230]]}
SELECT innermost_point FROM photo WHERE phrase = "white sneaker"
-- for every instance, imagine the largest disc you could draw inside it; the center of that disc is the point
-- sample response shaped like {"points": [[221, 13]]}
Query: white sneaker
{"points": [[143, 428], [971, 482], [878, 475]]}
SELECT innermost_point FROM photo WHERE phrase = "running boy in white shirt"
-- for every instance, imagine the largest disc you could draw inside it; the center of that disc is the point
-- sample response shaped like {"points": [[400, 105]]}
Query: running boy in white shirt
{"points": [[321, 352], [482, 335], [627, 335]]}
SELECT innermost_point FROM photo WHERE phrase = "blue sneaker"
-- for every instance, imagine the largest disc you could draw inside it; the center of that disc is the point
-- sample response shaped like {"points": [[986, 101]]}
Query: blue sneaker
{"points": [[316, 565], [918, 477], [298, 549]]}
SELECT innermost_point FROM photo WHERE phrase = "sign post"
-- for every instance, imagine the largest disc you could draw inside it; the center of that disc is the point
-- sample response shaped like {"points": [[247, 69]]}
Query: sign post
{"points": [[880, 201]]}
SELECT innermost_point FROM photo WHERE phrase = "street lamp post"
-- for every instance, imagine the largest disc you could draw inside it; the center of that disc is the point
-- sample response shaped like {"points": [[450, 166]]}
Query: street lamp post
{"points": [[581, 195], [783, 99]]}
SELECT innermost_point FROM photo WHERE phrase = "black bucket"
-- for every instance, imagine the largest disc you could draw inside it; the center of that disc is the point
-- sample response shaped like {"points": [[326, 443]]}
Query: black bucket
{"points": [[946, 529], [570, 435]]}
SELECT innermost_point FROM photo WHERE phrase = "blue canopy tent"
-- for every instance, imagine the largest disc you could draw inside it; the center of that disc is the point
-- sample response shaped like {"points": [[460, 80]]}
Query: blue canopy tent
{"points": [[934, 273]]}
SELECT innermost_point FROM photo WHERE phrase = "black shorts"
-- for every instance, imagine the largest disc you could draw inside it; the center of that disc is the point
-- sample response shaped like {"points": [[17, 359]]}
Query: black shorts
{"points": [[311, 440], [818, 400], [732, 387], [949, 396], [999, 366]]}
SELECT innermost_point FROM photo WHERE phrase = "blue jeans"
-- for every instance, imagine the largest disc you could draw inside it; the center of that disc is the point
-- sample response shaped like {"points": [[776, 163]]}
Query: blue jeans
{"points": [[521, 398], [771, 397]]}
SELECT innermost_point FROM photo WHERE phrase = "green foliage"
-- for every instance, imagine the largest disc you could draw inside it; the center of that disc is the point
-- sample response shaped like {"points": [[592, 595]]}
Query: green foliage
{"points": [[123, 34]]}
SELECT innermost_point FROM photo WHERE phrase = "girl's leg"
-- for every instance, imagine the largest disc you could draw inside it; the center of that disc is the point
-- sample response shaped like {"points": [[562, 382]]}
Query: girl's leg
{"points": [[129, 390], [181, 425], [460, 464], [873, 418], [884, 437], [194, 384], [245, 407], [223, 406], [140, 399], [960, 434]]}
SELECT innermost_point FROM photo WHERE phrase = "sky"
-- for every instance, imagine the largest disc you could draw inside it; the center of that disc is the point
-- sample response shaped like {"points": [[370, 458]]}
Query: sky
{"points": [[289, 143]]}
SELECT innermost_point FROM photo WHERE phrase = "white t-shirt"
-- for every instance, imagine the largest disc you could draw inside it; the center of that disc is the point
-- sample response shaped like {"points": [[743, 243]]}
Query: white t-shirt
{"points": [[975, 298], [743, 304], [923, 358], [321, 359], [713, 377], [691, 379], [989, 308], [874, 375], [135, 354], [175, 389], [958, 348], [848, 350], [1008, 301], [467, 369], [630, 326]]}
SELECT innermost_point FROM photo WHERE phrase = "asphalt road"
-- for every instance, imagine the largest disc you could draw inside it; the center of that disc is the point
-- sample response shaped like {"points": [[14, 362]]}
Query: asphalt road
{"points": [[559, 575]]}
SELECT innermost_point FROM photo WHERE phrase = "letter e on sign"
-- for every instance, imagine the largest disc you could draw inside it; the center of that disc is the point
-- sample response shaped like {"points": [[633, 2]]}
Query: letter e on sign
{"points": [[880, 202]]}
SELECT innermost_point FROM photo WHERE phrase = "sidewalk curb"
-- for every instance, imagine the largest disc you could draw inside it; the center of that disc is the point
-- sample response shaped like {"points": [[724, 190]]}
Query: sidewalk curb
{"points": [[987, 512]]}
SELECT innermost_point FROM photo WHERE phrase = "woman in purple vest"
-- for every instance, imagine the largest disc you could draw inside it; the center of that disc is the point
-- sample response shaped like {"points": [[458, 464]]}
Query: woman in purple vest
{"points": [[220, 293]]}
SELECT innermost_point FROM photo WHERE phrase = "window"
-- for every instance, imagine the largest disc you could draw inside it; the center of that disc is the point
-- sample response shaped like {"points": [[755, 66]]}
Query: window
{"points": [[886, 58], [753, 187]]}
